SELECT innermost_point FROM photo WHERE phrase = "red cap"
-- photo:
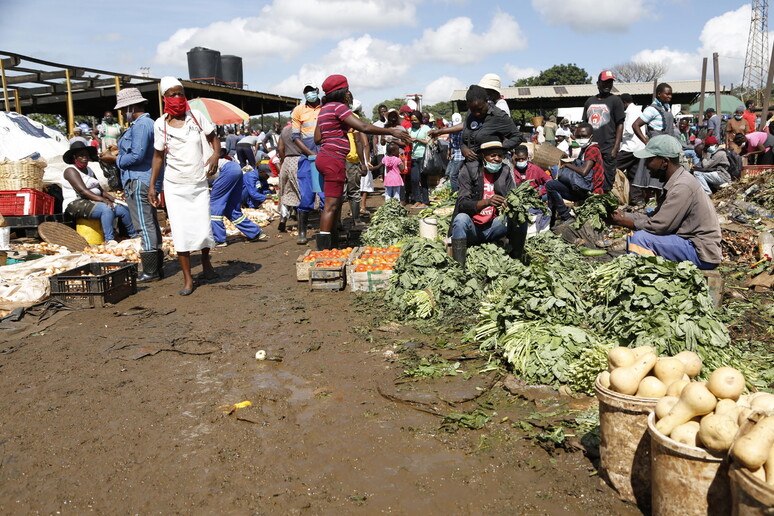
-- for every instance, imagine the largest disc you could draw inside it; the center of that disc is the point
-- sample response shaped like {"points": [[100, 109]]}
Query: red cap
{"points": [[606, 75], [405, 109], [710, 140], [333, 83]]}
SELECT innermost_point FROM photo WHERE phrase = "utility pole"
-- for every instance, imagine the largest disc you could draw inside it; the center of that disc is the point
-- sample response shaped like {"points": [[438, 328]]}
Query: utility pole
{"points": [[716, 71], [755, 71], [703, 90]]}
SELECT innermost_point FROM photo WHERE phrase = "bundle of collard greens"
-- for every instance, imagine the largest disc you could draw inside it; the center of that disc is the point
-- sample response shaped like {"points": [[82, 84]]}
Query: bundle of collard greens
{"points": [[489, 262], [549, 248], [519, 201], [424, 266], [595, 209], [390, 225]]}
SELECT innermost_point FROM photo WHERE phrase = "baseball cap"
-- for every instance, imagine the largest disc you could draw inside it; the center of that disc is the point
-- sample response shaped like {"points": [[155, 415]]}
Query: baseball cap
{"points": [[606, 75], [740, 109], [310, 84], [456, 119], [405, 109], [711, 140], [663, 146]]}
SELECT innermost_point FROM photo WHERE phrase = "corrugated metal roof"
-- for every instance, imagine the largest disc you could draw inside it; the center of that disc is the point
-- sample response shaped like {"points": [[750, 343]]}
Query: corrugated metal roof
{"points": [[587, 90]]}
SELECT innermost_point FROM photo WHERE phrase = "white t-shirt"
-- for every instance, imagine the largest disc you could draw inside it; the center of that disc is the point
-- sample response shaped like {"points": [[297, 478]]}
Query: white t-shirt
{"points": [[502, 104], [379, 149], [185, 150], [541, 134], [629, 140]]}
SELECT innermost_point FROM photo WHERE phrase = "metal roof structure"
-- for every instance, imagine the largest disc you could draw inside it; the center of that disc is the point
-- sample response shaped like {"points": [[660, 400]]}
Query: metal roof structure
{"points": [[31, 85], [574, 95]]}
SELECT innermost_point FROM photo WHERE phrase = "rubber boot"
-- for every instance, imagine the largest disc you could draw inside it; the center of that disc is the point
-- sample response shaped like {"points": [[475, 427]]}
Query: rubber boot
{"points": [[334, 238], [303, 216], [282, 224], [354, 207], [161, 263], [517, 237], [460, 250], [323, 241], [150, 267]]}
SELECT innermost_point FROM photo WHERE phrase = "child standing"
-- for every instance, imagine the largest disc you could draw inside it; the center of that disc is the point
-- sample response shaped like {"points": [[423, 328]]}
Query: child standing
{"points": [[393, 166]]}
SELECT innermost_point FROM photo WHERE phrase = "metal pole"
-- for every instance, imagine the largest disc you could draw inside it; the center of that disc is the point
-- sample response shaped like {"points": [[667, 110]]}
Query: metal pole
{"points": [[70, 113], [16, 101], [5, 86], [703, 90], [161, 102], [655, 85], [767, 93], [120, 115], [717, 82]]}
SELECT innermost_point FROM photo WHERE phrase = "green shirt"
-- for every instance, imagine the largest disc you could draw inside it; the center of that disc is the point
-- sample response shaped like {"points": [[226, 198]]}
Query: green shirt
{"points": [[418, 149]]}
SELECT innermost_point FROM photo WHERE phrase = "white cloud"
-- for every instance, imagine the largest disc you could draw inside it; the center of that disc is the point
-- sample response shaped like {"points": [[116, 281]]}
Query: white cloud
{"points": [[593, 15], [725, 34], [514, 73], [440, 90], [286, 27], [456, 42]]}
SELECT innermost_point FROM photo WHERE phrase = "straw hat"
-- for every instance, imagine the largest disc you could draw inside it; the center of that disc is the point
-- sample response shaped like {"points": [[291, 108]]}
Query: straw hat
{"points": [[490, 81], [129, 97]]}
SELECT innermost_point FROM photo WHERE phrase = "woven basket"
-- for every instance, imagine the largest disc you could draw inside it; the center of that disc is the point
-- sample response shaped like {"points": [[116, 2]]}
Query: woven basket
{"points": [[537, 121], [15, 175], [546, 156]]}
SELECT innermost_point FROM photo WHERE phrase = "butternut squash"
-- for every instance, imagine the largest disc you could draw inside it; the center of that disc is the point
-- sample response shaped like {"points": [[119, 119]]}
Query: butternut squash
{"points": [[664, 405], [669, 370], [677, 388], [763, 402], [743, 413], [769, 467], [651, 387], [641, 351], [695, 400], [604, 379], [726, 383], [717, 430], [626, 380], [620, 357], [691, 362], [687, 433], [752, 449]]}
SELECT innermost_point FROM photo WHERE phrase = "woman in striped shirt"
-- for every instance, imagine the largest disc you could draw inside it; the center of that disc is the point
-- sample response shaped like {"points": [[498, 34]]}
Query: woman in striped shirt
{"points": [[333, 122]]}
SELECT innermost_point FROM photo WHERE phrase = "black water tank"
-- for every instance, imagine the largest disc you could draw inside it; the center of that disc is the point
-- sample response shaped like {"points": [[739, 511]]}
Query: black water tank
{"points": [[231, 66], [204, 65]]}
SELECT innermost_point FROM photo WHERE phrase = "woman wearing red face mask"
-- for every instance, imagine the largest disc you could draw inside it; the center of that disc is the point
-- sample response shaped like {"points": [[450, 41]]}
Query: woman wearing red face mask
{"points": [[182, 140]]}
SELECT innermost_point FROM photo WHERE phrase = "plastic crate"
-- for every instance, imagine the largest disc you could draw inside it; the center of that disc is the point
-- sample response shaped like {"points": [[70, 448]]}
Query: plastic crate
{"points": [[26, 201], [104, 283]]}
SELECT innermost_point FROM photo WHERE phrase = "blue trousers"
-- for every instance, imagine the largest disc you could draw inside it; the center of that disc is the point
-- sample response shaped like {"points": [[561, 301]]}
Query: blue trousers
{"points": [[464, 227], [453, 172], [226, 200], [419, 188], [305, 186], [106, 217], [245, 155], [671, 247]]}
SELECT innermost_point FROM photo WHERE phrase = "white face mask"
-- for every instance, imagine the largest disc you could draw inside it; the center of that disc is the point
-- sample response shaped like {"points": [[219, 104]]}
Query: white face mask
{"points": [[712, 148], [583, 142], [521, 164]]}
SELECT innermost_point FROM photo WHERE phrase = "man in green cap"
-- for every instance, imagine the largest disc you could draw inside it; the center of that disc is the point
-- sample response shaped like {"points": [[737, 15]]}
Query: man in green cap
{"points": [[684, 225]]}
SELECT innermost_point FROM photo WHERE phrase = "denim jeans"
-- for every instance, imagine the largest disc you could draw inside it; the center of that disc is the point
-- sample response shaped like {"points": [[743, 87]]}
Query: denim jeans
{"points": [[706, 179], [106, 216], [453, 172], [419, 188], [557, 191], [464, 227], [392, 192]]}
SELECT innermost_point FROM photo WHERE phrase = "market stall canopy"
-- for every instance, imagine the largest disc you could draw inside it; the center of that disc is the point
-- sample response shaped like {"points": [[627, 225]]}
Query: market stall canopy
{"points": [[36, 86], [219, 112], [728, 103], [536, 98]]}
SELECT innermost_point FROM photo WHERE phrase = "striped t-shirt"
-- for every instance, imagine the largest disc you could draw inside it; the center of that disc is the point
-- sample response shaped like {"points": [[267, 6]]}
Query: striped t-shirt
{"points": [[332, 128]]}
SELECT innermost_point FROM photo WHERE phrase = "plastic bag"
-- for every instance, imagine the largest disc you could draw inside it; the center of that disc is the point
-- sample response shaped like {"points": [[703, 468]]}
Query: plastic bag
{"points": [[433, 164]]}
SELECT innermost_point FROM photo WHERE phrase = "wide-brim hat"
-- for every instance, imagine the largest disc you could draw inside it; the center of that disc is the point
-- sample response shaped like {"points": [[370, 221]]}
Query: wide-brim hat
{"points": [[129, 97], [490, 81], [69, 156], [491, 145]]}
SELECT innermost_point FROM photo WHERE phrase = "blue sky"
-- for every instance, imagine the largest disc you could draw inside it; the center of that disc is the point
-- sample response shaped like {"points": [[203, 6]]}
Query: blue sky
{"points": [[387, 48]]}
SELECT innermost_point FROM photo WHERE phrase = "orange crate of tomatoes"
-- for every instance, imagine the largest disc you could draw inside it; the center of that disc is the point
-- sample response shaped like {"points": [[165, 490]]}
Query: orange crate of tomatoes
{"points": [[306, 260], [372, 268], [327, 274]]}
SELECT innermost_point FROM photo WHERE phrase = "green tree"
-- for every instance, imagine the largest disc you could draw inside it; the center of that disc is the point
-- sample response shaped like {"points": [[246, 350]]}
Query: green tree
{"points": [[391, 104], [557, 75], [52, 121]]}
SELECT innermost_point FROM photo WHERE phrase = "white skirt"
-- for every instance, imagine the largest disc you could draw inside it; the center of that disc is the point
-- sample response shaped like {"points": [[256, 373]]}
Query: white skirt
{"points": [[188, 209]]}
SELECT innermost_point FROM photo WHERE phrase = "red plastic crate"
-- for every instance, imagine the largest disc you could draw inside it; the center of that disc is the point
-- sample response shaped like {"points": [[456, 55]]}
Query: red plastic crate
{"points": [[26, 201]]}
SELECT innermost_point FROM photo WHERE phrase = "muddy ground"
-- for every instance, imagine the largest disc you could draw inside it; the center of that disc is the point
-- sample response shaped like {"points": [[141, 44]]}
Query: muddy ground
{"points": [[119, 410]]}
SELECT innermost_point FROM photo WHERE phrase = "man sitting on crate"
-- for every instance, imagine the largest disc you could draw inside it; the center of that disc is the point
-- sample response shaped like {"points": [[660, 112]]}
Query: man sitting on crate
{"points": [[482, 191], [684, 225]]}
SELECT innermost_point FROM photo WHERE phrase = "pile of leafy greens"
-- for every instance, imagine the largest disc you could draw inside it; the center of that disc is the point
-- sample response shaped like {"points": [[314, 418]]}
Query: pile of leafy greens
{"points": [[518, 203], [389, 225], [595, 209]]}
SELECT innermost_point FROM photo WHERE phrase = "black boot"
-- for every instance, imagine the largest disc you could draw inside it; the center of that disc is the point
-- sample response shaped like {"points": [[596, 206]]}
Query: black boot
{"points": [[303, 216], [282, 224], [150, 267], [460, 250], [161, 263], [354, 207], [323, 241], [517, 237]]}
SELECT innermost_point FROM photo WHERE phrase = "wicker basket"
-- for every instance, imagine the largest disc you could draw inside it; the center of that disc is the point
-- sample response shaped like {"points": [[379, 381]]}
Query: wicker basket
{"points": [[537, 121], [546, 156], [15, 175]]}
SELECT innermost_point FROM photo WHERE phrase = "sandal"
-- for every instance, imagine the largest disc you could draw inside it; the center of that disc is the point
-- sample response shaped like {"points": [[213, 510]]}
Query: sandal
{"points": [[186, 291]]}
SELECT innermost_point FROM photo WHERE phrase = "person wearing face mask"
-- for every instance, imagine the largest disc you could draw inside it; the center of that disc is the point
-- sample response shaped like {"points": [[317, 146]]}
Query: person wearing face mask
{"points": [[736, 125], [714, 167], [135, 160], [605, 112], [684, 226], [757, 147], [525, 170], [419, 140], [577, 179], [482, 191], [108, 130], [182, 139], [303, 122], [82, 196]]}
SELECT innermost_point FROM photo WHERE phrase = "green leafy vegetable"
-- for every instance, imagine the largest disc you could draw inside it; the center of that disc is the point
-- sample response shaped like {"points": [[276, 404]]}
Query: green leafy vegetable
{"points": [[595, 209], [518, 203]]}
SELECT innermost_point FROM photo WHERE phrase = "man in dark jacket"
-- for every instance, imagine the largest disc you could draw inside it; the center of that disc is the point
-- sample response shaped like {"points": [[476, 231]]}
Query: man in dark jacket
{"points": [[482, 191]]}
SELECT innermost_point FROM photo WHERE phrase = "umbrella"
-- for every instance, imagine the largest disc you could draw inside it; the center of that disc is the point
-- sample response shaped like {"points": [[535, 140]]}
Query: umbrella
{"points": [[728, 103], [218, 112]]}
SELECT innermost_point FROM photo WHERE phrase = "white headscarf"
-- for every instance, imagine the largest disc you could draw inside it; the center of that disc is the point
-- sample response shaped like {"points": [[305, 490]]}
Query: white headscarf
{"points": [[169, 82]]}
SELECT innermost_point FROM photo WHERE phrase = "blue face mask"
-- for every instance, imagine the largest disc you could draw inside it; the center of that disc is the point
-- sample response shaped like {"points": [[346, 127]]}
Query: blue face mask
{"points": [[521, 164], [712, 148], [493, 167], [311, 96]]}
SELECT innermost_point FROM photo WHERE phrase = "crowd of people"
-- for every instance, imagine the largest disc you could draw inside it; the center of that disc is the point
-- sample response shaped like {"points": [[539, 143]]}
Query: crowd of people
{"points": [[327, 154]]}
